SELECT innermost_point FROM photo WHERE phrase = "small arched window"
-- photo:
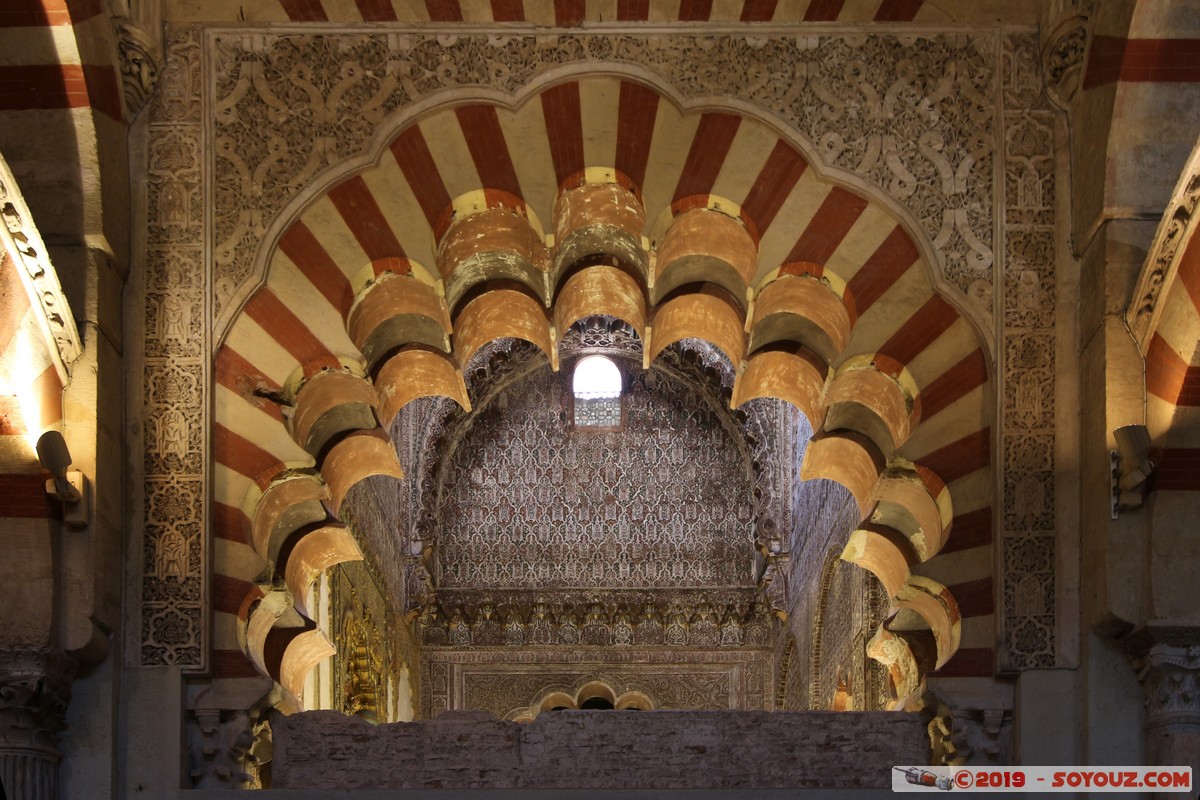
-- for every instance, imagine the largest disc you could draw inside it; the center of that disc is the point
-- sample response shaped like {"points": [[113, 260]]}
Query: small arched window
{"points": [[596, 386]]}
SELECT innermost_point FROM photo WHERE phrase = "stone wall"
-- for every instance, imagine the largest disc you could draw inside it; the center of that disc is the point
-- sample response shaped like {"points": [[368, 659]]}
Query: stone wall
{"points": [[599, 749]]}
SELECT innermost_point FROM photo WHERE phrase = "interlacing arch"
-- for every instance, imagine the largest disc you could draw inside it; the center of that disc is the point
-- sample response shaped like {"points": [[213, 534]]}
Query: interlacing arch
{"points": [[856, 338]]}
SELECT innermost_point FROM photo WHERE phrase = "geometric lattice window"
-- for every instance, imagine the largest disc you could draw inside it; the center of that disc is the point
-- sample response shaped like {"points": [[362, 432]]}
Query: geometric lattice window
{"points": [[597, 389]]}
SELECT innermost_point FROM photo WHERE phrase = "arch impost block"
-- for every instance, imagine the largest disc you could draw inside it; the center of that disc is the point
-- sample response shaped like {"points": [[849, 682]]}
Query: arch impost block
{"points": [[600, 290], [697, 316], [414, 373], [501, 313], [493, 245], [289, 503], [801, 309], [331, 403], [396, 310], [925, 603], [705, 245], [355, 458], [797, 377], [847, 457]]}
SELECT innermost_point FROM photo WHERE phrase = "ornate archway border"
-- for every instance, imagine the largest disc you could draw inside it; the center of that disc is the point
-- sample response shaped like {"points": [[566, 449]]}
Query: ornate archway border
{"points": [[979, 176]]}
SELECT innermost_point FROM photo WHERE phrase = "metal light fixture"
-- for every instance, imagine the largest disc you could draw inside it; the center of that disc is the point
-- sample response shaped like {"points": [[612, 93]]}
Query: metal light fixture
{"points": [[66, 486], [1131, 466]]}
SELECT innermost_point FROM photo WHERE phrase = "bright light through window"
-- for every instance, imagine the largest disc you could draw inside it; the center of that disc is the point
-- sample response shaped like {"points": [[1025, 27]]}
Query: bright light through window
{"points": [[597, 377]]}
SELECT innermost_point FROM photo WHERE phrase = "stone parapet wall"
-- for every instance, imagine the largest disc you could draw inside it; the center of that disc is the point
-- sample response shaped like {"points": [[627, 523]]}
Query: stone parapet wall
{"points": [[599, 749]]}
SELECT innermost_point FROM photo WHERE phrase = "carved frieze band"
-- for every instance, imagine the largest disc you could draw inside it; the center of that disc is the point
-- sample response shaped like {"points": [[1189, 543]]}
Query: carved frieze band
{"points": [[1028, 357], [912, 114], [174, 584]]}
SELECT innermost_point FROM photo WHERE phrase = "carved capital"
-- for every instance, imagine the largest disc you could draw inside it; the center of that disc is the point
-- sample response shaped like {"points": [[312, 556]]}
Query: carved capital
{"points": [[1171, 678], [35, 687]]}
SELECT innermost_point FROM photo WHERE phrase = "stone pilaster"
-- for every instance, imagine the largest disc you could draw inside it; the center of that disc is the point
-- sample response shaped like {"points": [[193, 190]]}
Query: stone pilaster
{"points": [[1171, 678], [35, 687]]}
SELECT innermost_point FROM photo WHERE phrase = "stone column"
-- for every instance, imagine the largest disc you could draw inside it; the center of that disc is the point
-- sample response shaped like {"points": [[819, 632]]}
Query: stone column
{"points": [[35, 686], [1171, 678]]}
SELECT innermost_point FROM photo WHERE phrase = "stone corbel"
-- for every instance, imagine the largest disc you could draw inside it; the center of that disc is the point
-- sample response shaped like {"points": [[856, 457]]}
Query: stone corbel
{"points": [[229, 734], [139, 51], [970, 736], [1063, 57]]}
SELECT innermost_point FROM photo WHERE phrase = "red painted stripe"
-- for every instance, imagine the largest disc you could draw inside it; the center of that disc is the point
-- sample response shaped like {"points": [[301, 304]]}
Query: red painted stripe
{"points": [[420, 170], [969, 530], [773, 185], [1104, 59], [238, 375], [304, 10], [42, 86], [485, 139], [695, 10], [230, 523], [232, 664], [834, 219], [229, 594], [310, 257], [823, 10], [508, 10], [376, 10], [104, 90], [969, 662], [288, 330], [14, 300], [885, 266], [633, 10], [714, 136], [356, 204], [568, 13], [245, 457], [24, 497], [637, 108], [1165, 370], [898, 10], [1112, 58], [564, 126], [955, 383], [960, 458], [758, 10], [975, 598], [31, 13], [920, 330], [1178, 469], [444, 10]]}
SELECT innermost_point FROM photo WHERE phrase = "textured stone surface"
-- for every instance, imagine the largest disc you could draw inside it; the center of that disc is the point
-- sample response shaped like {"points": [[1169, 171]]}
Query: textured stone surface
{"points": [[599, 749]]}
